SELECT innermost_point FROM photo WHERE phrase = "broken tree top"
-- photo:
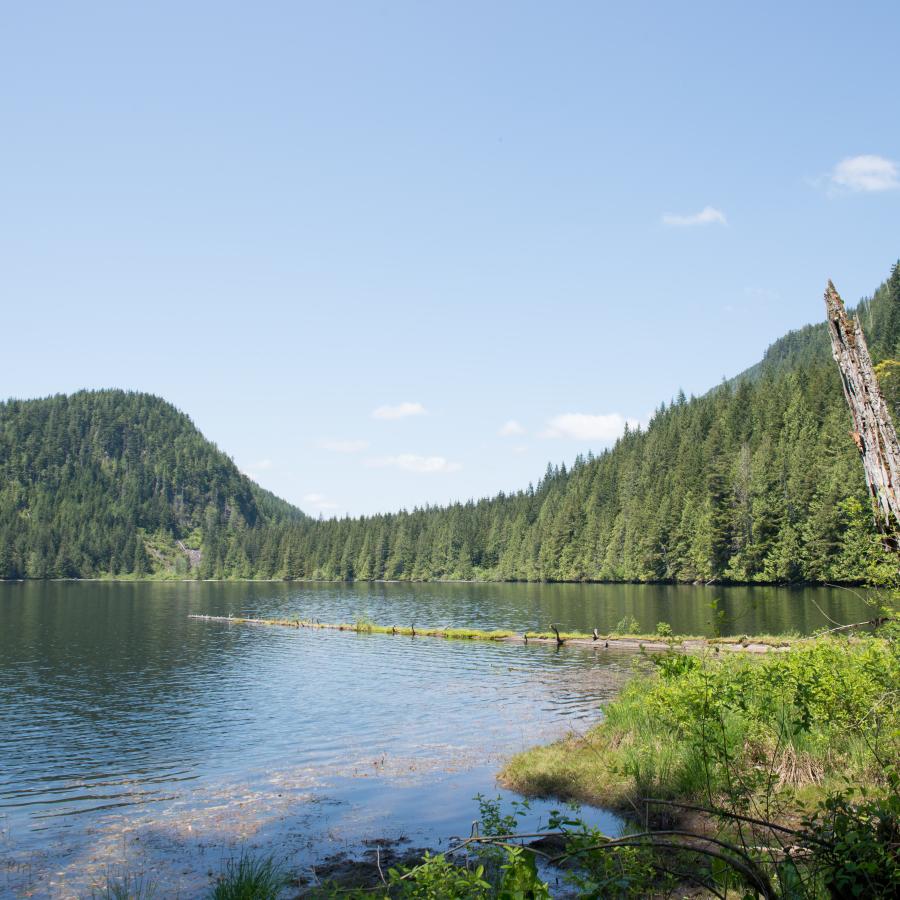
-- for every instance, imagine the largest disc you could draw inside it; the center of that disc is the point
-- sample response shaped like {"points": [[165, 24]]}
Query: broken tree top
{"points": [[873, 429]]}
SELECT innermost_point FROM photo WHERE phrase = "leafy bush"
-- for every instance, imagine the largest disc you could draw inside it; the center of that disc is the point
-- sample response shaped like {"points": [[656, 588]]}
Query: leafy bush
{"points": [[853, 846], [436, 878]]}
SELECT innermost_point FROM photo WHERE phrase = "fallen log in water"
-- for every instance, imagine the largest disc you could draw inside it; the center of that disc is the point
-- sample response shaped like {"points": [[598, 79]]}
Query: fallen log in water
{"points": [[613, 642]]}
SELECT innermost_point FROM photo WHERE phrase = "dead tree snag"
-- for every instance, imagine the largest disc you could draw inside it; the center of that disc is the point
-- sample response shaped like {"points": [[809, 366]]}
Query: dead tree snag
{"points": [[873, 429]]}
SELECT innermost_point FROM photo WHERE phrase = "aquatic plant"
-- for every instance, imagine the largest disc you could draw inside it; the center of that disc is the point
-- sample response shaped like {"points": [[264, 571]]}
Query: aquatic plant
{"points": [[627, 625], [250, 878], [126, 887]]}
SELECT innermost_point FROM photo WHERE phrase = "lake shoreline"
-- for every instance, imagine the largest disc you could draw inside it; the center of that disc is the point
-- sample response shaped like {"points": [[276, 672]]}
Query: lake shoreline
{"points": [[294, 743], [167, 579]]}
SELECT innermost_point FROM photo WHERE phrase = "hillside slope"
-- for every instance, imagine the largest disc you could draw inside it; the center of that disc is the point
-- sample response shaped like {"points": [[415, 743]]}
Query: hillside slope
{"points": [[110, 482], [757, 480]]}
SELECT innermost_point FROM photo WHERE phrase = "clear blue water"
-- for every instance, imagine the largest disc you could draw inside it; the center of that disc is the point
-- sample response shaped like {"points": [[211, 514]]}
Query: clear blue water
{"points": [[134, 739]]}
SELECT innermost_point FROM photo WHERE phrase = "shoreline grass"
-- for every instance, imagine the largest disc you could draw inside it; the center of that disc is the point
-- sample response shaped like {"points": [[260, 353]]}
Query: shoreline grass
{"points": [[784, 729]]}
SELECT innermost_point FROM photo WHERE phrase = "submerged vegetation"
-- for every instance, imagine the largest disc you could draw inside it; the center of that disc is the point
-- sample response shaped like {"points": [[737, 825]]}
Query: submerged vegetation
{"points": [[754, 481], [742, 775], [773, 777]]}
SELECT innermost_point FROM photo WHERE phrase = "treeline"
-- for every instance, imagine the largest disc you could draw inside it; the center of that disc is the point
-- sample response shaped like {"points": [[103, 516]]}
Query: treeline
{"points": [[758, 480]]}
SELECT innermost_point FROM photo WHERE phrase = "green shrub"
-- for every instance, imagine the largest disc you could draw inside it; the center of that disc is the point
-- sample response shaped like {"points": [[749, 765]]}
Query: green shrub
{"points": [[436, 878], [852, 846]]}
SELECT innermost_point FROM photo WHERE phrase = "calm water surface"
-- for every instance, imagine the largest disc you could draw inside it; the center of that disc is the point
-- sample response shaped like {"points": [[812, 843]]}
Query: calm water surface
{"points": [[135, 739]]}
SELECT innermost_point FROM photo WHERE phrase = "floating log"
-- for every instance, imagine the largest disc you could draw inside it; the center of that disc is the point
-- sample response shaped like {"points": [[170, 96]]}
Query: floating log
{"points": [[633, 642], [874, 433]]}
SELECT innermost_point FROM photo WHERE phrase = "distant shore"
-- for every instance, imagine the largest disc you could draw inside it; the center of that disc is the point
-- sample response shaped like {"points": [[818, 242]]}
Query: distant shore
{"points": [[163, 579]]}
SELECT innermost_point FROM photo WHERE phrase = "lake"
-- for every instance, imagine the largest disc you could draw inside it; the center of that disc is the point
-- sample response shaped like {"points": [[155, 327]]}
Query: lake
{"points": [[134, 739]]}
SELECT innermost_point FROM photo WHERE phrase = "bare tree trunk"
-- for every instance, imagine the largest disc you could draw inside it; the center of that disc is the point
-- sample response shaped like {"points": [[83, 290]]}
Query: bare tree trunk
{"points": [[874, 433]]}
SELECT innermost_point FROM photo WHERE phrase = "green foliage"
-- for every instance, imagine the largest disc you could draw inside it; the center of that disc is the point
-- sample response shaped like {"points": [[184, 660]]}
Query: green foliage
{"points": [[436, 878], [521, 880], [807, 713], [664, 629], [854, 845], [502, 871], [249, 878], [617, 872], [108, 483], [673, 665], [727, 728], [494, 821], [627, 625], [888, 374], [755, 481], [778, 738]]}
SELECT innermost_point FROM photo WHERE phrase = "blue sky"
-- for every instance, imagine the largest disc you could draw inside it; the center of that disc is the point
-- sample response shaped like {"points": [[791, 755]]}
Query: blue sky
{"points": [[387, 254]]}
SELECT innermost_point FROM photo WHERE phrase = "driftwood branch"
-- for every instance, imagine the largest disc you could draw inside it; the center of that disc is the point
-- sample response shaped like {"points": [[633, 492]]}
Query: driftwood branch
{"points": [[704, 845], [873, 429], [875, 623]]}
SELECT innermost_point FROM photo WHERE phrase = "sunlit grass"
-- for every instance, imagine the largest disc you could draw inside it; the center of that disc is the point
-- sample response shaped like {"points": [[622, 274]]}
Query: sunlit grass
{"points": [[795, 724]]}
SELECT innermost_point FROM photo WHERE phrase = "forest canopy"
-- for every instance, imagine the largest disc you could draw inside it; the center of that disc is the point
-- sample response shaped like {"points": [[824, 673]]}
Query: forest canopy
{"points": [[757, 480]]}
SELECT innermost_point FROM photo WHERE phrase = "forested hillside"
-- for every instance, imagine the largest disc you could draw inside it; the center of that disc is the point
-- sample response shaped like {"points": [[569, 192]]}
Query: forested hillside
{"points": [[109, 482], [757, 480]]}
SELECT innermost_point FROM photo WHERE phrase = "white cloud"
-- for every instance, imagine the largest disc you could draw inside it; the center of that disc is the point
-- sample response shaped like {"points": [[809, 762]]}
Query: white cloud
{"points": [[520, 449], [510, 429], [344, 446], [410, 462], [587, 427], [319, 501], [866, 173], [709, 215], [400, 411]]}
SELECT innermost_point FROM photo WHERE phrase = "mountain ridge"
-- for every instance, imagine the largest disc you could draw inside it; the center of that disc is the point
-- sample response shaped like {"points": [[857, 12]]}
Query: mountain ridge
{"points": [[753, 481]]}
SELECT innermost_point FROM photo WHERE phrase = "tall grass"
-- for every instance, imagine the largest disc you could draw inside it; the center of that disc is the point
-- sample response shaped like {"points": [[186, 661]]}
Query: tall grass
{"points": [[128, 887], [250, 878], [733, 728]]}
